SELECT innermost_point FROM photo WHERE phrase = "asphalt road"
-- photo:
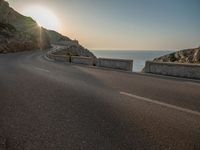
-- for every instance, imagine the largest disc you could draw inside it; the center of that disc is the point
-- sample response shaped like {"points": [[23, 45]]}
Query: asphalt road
{"points": [[46, 105]]}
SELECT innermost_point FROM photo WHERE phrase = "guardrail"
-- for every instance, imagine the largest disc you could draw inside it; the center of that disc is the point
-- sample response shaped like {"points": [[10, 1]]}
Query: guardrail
{"points": [[82, 60], [191, 71], [62, 58], [121, 64]]}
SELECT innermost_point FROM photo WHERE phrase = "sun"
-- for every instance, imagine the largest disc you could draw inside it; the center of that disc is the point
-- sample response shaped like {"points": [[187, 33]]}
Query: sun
{"points": [[43, 16]]}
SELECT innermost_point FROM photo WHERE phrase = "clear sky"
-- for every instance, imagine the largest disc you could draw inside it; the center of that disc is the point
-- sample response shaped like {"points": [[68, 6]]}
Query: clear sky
{"points": [[125, 24]]}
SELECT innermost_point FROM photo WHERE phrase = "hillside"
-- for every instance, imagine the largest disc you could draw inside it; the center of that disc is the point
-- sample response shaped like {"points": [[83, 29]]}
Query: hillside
{"points": [[21, 33], [182, 56]]}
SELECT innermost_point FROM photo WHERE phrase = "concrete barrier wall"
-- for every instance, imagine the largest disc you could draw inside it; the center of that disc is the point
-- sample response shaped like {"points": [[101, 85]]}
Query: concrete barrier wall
{"points": [[121, 64], [59, 57], [173, 69], [51, 56], [82, 60], [62, 58]]}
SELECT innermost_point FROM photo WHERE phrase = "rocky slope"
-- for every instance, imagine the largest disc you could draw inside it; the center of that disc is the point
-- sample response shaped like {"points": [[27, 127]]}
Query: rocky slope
{"points": [[57, 38], [12, 40], [182, 56], [21, 33], [69, 47], [73, 48]]}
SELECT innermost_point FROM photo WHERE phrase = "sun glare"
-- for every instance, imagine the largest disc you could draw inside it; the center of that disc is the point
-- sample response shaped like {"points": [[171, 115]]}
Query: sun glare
{"points": [[43, 16]]}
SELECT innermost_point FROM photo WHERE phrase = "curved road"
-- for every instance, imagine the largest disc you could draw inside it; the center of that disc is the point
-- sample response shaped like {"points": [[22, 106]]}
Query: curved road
{"points": [[47, 105]]}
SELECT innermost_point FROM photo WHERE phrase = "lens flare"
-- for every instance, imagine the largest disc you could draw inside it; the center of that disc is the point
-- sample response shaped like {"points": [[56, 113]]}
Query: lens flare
{"points": [[43, 16]]}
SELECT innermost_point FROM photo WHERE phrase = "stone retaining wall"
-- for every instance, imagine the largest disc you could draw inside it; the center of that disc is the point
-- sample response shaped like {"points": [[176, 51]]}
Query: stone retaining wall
{"points": [[82, 60], [191, 71], [62, 58], [58, 57], [122, 64]]}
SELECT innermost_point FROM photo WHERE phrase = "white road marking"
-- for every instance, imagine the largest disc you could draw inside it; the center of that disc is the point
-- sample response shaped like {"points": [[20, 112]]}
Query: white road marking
{"points": [[161, 103], [40, 69]]}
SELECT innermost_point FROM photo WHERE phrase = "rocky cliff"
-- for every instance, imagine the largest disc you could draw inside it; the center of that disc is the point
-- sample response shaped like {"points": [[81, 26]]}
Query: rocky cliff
{"points": [[182, 56], [69, 47], [73, 48], [21, 33]]}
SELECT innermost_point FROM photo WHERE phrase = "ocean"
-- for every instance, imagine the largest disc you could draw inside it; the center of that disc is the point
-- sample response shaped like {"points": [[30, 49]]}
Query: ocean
{"points": [[139, 57]]}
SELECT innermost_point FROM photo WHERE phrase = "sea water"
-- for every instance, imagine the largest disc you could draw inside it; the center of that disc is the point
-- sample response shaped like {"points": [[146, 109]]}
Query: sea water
{"points": [[139, 57]]}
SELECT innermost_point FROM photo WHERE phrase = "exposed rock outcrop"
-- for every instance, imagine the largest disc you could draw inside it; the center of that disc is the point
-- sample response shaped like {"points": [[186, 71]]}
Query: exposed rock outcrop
{"points": [[73, 48], [57, 38], [69, 47], [21, 33], [183, 56]]}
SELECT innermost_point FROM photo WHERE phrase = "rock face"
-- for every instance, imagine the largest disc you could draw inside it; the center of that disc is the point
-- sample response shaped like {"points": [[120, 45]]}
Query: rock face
{"points": [[73, 48], [21, 33], [69, 47], [183, 56], [12, 40], [57, 38]]}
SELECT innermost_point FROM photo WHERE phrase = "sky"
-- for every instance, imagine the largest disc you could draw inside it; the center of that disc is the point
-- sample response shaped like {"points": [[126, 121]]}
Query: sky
{"points": [[124, 24]]}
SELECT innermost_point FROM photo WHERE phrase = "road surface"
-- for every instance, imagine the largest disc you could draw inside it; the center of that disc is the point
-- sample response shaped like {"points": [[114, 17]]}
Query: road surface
{"points": [[47, 105]]}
